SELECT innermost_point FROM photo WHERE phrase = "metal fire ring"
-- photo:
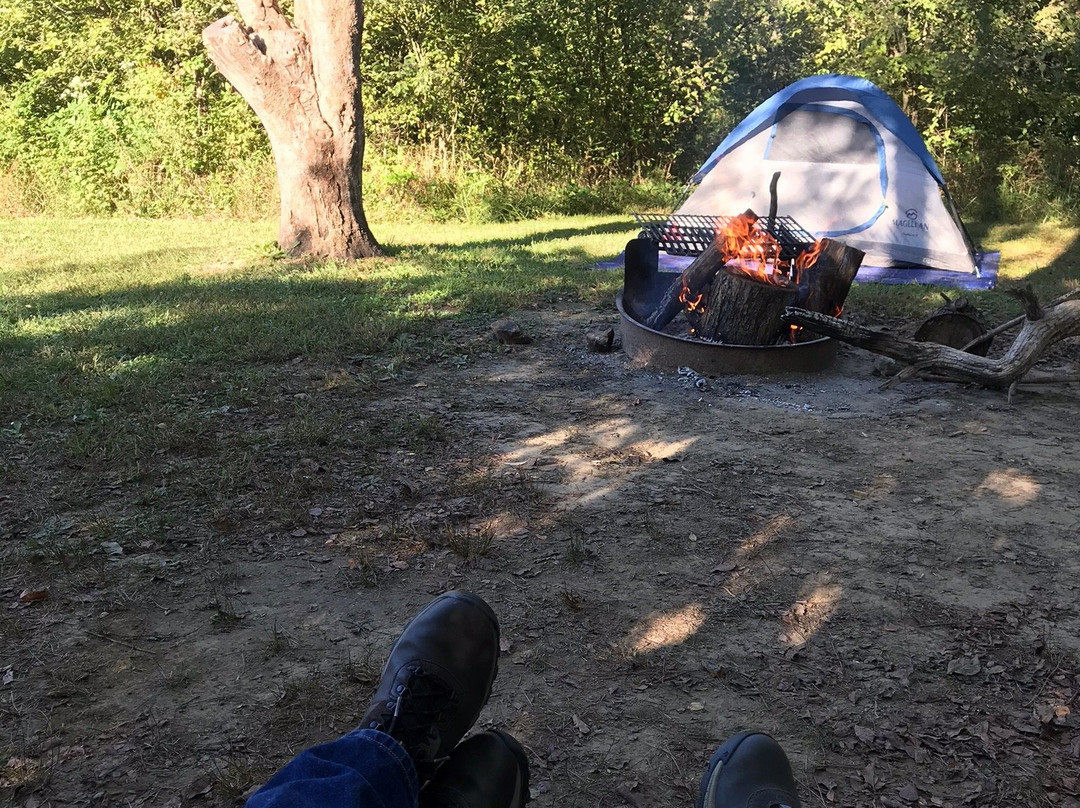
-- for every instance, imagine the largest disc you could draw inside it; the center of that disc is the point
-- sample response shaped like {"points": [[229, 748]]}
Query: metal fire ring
{"points": [[661, 351]]}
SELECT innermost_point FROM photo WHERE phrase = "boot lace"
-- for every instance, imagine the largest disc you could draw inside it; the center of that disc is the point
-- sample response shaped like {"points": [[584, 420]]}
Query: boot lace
{"points": [[415, 711]]}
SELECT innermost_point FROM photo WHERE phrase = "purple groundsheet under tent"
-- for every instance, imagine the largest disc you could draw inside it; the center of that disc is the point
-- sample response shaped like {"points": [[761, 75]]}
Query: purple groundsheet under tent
{"points": [[986, 262]]}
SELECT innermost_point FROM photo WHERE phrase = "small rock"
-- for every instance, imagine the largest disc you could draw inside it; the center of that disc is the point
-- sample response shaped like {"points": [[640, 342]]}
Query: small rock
{"points": [[883, 366], [509, 332], [600, 339], [964, 666]]}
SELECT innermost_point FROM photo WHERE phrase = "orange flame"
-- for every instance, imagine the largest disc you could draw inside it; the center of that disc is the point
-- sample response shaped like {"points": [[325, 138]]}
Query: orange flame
{"points": [[807, 258], [691, 305], [749, 249]]}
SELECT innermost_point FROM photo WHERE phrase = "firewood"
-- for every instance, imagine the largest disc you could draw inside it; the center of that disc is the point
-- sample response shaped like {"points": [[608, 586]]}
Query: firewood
{"points": [[694, 279], [957, 323], [824, 286], [1055, 324], [744, 311]]}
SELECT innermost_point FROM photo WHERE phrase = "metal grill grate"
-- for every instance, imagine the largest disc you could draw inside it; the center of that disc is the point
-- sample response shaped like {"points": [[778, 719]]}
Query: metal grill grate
{"points": [[690, 234]]}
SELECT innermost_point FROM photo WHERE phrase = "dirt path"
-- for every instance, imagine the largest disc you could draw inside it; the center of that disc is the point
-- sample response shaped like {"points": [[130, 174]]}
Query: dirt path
{"points": [[887, 582]]}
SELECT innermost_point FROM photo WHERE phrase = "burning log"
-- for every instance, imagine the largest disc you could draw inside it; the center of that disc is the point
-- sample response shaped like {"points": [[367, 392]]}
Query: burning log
{"points": [[689, 285], [825, 277], [1041, 329], [693, 279], [744, 311], [735, 291]]}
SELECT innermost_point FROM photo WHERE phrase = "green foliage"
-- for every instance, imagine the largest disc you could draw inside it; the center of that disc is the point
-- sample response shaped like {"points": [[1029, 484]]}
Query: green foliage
{"points": [[994, 88], [496, 111], [107, 109]]}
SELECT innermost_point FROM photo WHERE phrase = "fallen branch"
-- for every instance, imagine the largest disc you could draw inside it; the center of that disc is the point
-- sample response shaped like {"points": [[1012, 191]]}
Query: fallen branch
{"points": [[915, 369], [1035, 337], [1015, 321]]}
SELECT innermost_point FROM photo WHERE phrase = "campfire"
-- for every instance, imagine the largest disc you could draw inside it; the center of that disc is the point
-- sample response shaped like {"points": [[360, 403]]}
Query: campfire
{"points": [[747, 271]]}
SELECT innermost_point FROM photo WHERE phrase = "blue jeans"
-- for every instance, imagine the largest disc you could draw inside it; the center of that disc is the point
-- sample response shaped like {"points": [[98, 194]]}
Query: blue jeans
{"points": [[364, 769]]}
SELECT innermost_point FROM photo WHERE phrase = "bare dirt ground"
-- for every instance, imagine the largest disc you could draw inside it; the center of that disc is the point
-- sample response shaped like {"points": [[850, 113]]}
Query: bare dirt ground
{"points": [[885, 581]]}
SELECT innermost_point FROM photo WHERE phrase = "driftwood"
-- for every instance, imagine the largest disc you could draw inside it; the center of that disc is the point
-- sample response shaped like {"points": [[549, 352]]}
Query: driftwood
{"points": [[912, 370], [744, 311], [1013, 323], [1041, 329]]}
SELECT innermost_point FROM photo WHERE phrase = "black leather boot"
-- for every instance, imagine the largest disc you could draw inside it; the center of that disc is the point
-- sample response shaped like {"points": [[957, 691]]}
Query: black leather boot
{"points": [[438, 678], [490, 770], [749, 770]]}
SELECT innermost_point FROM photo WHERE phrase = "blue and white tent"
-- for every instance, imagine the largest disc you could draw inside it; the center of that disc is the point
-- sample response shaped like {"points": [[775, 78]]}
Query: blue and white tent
{"points": [[852, 166]]}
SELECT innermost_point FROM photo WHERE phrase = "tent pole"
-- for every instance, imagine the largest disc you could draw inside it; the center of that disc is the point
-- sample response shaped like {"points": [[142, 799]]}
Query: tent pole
{"points": [[963, 229]]}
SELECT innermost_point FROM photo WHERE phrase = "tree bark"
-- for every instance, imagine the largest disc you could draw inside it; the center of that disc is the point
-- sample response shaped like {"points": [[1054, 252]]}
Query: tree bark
{"points": [[301, 79], [824, 286], [743, 311], [1035, 337]]}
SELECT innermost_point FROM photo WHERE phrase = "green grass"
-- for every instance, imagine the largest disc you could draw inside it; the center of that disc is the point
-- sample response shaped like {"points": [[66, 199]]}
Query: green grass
{"points": [[111, 328], [101, 316], [1046, 255]]}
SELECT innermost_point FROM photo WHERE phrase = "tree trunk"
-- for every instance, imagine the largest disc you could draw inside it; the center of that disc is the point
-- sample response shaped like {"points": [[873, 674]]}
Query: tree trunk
{"points": [[301, 79]]}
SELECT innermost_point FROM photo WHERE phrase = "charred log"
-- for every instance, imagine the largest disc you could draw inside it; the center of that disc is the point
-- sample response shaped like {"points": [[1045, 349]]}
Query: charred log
{"points": [[824, 286], [693, 281]]}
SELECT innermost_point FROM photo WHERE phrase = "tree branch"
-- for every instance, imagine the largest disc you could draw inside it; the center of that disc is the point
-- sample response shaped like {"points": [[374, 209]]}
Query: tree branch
{"points": [[1035, 337]]}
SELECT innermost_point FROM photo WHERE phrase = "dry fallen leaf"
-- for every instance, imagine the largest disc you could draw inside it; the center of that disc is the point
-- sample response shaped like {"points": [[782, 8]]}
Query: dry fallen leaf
{"points": [[33, 595], [727, 566], [869, 775], [582, 727], [864, 734], [964, 666]]}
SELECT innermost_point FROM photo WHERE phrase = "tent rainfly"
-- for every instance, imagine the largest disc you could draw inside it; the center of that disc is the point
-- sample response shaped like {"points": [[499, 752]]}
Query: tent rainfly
{"points": [[852, 166]]}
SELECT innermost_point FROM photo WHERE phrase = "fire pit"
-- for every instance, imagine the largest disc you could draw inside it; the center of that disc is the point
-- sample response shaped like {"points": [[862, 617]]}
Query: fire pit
{"points": [[730, 296], [655, 349]]}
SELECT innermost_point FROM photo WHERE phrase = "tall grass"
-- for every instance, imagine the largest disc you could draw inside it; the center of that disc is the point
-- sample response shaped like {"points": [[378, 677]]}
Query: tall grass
{"points": [[431, 182]]}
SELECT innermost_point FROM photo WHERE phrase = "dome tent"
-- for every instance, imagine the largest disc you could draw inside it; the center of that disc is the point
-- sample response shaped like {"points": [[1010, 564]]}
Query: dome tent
{"points": [[852, 166]]}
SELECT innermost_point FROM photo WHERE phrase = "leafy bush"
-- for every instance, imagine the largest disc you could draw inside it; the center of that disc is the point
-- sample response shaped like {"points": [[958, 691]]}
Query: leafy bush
{"points": [[517, 109]]}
